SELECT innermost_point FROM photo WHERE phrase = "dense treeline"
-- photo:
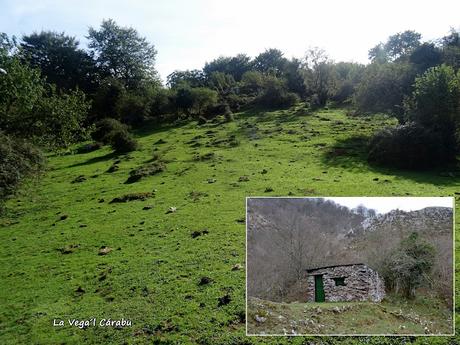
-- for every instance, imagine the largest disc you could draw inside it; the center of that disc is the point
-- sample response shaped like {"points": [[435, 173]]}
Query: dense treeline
{"points": [[54, 92]]}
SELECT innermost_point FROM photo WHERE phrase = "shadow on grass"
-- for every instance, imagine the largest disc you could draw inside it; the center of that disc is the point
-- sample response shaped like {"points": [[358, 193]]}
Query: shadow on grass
{"points": [[351, 154], [98, 159]]}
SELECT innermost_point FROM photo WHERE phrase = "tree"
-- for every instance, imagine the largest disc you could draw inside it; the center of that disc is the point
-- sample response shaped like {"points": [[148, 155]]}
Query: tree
{"points": [[236, 66], [271, 62], [407, 267], [402, 44], [398, 46], [383, 88], [222, 83], [203, 98], [435, 101], [31, 108], [451, 49], [425, 56], [318, 74], [59, 59], [121, 53], [194, 78]]}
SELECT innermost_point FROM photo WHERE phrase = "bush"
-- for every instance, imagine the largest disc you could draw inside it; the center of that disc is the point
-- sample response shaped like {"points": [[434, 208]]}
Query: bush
{"points": [[30, 108], [122, 142], [133, 109], [409, 146], [408, 266], [435, 101], [105, 129], [18, 160], [383, 88], [276, 95]]}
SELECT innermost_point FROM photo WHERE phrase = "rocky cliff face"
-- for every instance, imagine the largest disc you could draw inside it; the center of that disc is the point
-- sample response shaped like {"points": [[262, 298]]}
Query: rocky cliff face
{"points": [[432, 220]]}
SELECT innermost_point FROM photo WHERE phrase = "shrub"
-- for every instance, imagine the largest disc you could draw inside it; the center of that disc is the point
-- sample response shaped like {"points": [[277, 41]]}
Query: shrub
{"points": [[18, 160], [122, 142], [30, 108], [435, 101], [408, 266], [133, 109], [409, 146], [276, 95], [383, 88], [105, 128]]}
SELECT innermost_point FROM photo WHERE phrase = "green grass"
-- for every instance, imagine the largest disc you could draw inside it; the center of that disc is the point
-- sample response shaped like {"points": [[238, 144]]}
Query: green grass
{"points": [[152, 274], [391, 316]]}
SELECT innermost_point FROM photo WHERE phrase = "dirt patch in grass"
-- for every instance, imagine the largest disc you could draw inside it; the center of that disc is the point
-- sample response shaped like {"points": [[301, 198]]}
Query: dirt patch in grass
{"points": [[131, 197]]}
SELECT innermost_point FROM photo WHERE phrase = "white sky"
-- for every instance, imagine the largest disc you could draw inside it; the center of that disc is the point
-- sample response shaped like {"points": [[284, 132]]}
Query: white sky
{"points": [[386, 204], [189, 33]]}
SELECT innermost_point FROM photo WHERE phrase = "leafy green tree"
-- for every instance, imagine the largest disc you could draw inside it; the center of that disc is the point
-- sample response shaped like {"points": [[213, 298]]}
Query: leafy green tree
{"points": [[60, 60], [236, 66], [425, 56], [451, 49], [252, 83], [383, 88], [271, 62], [222, 83], [347, 76], [105, 100], [31, 108], [319, 79], [203, 99], [194, 78], [398, 46], [121, 53], [409, 265], [435, 101]]}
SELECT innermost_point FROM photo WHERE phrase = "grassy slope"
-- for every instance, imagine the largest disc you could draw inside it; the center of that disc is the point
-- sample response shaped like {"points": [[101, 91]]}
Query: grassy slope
{"points": [[152, 274], [388, 317]]}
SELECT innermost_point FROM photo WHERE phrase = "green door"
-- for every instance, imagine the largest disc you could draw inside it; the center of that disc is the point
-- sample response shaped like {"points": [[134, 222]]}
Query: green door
{"points": [[319, 289]]}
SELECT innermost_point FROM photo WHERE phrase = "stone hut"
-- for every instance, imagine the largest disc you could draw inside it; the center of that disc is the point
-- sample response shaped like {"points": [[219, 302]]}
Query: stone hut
{"points": [[342, 283]]}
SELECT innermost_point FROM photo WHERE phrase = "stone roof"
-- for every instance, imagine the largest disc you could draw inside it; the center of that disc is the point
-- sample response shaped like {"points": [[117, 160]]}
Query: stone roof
{"points": [[331, 266]]}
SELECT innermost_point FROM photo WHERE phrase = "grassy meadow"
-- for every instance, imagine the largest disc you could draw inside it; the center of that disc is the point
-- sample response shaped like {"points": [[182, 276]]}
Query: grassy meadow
{"points": [[173, 261]]}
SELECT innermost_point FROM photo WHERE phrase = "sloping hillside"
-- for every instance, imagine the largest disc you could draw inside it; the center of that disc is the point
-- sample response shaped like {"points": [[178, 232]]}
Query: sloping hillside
{"points": [[173, 260]]}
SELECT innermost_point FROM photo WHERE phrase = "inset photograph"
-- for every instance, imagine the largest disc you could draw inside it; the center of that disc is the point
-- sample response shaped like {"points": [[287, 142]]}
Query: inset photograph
{"points": [[350, 266]]}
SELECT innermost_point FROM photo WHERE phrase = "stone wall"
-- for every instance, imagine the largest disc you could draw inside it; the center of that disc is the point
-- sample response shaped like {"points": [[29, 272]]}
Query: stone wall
{"points": [[361, 284]]}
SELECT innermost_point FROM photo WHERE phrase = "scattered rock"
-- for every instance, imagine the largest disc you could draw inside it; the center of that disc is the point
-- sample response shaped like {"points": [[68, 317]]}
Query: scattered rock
{"points": [[104, 250], [268, 189], [375, 179], [172, 209], [79, 179], [101, 200], [211, 180], [243, 179], [236, 267], [264, 171], [64, 217], [260, 319]]}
